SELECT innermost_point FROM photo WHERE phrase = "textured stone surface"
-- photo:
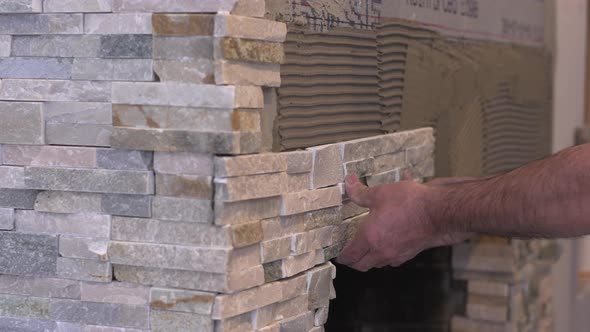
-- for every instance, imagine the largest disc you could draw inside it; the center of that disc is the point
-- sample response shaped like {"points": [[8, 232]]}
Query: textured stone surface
{"points": [[186, 6], [21, 6], [181, 118], [77, 6], [12, 177], [166, 232], [294, 203], [67, 46], [5, 45], [212, 260], [323, 218], [250, 165], [360, 168], [32, 24], [85, 180], [104, 24], [388, 162], [181, 300], [488, 308], [249, 187], [132, 46], [182, 209], [68, 202], [249, 28], [318, 286], [44, 68], [227, 213], [205, 281], [421, 160], [273, 271], [183, 24], [235, 304], [238, 73], [327, 166], [22, 306], [6, 219], [28, 254], [17, 198], [275, 249], [83, 269], [99, 313], [188, 95], [483, 287], [74, 327], [81, 224], [237, 323], [179, 48], [298, 182], [48, 90], [185, 141], [248, 50], [116, 292], [291, 308], [112, 69], [188, 186], [484, 257], [312, 240], [321, 316], [26, 325], [39, 287], [346, 230], [164, 321], [184, 163], [59, 156], [247, 234], [78, 112], [296, 264], [185, 70], [83, 247], [22, 122], [78, 134], [303, 322], [384, 178], [299, 162], [127, 205], [124, 159], [273, 228], [365, 148]]}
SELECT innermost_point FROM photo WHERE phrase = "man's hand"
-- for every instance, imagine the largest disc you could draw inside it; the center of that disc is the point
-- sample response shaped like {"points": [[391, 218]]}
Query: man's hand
{"points": [[398, 227]]}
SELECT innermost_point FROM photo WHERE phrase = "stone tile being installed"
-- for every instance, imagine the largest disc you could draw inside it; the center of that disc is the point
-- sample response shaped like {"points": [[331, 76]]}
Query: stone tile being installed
{"points": [[134, 194]]}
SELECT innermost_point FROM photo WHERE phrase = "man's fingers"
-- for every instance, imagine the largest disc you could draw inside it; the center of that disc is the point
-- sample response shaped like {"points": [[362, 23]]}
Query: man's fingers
{"points": [[358, 193], [355, 249]]}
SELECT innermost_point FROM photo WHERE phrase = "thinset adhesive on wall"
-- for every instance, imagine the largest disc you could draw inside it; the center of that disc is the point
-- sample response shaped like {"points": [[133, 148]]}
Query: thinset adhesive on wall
{"points": [[489, 102], [329, 88], [349, 83], [393, 41]]}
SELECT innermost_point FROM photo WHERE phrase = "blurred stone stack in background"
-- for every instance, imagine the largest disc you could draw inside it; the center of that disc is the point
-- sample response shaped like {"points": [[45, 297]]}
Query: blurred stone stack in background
{"points": [[134, 191], [509, 284]]}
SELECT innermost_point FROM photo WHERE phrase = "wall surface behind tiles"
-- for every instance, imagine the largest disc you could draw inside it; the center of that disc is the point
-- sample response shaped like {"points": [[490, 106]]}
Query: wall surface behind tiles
{"points": [[477, 71]]}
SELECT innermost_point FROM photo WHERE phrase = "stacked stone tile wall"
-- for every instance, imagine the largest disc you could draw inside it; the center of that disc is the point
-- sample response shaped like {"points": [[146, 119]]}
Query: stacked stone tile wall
{"points": [[509, 285], [133, 192]]}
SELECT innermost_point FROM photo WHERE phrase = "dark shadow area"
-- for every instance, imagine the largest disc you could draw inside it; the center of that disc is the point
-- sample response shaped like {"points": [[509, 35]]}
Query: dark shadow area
{"points": [[418, 296]]}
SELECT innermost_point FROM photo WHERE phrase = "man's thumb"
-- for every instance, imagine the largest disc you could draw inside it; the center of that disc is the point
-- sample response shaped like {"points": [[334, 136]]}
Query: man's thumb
{"points": [[358, 193]]}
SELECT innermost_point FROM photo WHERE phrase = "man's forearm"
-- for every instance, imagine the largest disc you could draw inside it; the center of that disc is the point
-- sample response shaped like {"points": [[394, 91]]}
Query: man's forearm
{"points": [[547, 198]]}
